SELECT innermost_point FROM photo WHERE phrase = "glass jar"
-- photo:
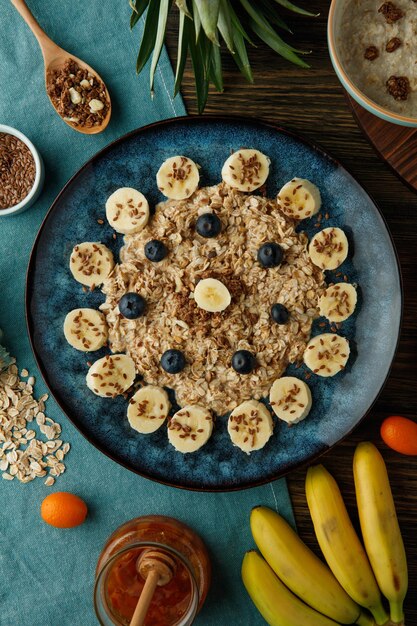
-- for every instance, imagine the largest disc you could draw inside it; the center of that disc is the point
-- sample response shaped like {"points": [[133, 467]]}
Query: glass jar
{"points": [[118, 585]]}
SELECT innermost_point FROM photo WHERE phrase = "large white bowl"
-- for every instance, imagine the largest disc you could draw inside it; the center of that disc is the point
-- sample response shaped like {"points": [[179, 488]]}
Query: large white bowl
{"points": [[39, 174], [334, 35]]}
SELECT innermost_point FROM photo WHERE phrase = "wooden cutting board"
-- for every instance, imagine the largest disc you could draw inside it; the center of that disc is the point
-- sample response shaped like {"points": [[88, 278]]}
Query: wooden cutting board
{"points": [[397, 145]]}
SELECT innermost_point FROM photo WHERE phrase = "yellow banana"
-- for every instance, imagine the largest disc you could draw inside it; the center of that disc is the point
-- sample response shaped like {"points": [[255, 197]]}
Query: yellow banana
{"points": [[339, 542], [277, 605], [380, 530], [301, 570]]}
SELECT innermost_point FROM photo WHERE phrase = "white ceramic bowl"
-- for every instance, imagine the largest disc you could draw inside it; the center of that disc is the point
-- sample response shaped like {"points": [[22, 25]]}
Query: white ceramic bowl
{"points": [[334, 35], [39, 174]]}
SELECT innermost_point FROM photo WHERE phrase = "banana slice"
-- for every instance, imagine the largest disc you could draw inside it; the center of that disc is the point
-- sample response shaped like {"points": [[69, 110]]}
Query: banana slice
{"points": [[178, 177], [246, 170], [111, 376], [91, 263], [299, 199], [290, 399], [327, 354], [127, 210], [250, 426], [329, 248], [85, 329], [190, 428], [338, 302], [148, 409], [212, 295]]}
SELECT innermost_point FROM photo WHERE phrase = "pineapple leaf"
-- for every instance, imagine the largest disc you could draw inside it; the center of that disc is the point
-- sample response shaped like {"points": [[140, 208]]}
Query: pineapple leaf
{"points": [[149, 35], [276, 43], [215, 71], [183, 35], [198, 59], [241, 56], [208, 11], [237, 25], [138, 7], [225, 25], [197, 21], [292, 7], [257, 16], [182, 5], [160, 36], [273, 18]]}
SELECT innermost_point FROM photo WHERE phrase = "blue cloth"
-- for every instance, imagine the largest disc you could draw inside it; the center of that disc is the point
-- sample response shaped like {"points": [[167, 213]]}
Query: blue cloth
{"points": [[46, 574]]}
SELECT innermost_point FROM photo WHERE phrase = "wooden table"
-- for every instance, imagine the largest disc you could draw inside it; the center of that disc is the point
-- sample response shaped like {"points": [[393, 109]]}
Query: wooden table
{"points": [[312, 103]]}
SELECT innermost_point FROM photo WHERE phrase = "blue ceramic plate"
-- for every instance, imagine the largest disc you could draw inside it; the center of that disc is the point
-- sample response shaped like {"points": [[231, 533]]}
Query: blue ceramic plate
{"points": [[339, 403]]}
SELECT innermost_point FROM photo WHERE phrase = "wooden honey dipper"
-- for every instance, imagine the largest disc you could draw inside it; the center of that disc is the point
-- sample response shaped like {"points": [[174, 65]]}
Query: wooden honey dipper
{"points": [[157, 569]]}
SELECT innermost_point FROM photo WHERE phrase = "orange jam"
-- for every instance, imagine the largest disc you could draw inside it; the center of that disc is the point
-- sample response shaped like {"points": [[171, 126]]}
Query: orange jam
{"points": [[125, 584], [119, 584]]}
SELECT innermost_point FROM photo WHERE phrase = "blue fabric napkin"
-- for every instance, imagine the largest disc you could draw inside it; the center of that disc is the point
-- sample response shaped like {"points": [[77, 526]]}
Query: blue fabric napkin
{"points": [[46, 574]]}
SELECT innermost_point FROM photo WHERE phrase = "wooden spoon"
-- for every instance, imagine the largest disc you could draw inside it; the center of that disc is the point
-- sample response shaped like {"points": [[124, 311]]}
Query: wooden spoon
{"points": [[157, 569], [54, 58]]}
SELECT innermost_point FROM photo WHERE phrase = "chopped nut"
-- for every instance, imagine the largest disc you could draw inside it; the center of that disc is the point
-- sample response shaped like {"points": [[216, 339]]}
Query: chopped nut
{"points": [[74, 95], [398, 87], [95, 105], [393, 44], [371, 53]]}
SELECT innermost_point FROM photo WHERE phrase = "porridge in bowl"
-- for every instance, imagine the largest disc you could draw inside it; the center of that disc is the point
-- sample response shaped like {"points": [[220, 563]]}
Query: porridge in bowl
{"points": [[379, 51]]}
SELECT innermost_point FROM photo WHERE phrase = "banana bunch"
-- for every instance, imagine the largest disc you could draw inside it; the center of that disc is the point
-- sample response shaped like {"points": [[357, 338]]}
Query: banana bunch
{"points": [[291, 586]]}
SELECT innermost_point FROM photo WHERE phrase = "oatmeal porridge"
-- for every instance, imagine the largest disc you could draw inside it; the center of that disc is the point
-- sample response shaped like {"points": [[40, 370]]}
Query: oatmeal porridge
{"points": [[379, 51], [214, 295], [207, 339]]}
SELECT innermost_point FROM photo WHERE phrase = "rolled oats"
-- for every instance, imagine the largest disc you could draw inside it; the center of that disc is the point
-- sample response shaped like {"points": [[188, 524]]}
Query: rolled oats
{"points": [[209, 340], [22, 455]]}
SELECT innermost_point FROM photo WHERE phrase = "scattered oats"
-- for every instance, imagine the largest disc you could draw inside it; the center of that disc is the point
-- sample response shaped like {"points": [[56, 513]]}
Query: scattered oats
{"points": [[21, 453]]}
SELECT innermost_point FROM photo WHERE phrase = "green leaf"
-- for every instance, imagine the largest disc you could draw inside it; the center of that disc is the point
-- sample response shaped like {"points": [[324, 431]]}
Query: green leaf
{"points": [[182, 5], [215, 70], [149, 35], [276, 43], [183, 35], [241, 56], [270, 13], [208, 11], [199, 62], [237, 25], [225, 25], [292, 7], [138, 8], [197, 21], [160, 36]]}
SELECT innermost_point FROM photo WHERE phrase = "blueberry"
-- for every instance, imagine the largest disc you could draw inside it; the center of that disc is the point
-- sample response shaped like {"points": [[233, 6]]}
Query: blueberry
{"points": [[155, 250], [132, 305], [243, 361], [280, 313], [173, 361], [270, 254], [208, 225]]}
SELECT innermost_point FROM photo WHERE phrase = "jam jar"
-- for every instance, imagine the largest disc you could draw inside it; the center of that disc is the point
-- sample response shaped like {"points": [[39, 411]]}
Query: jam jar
{"points": [[118, 584]]}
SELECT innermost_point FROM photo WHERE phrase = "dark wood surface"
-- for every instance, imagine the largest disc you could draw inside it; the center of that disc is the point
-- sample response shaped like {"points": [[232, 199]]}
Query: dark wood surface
{"points": [[312, 103], [395, 144]]}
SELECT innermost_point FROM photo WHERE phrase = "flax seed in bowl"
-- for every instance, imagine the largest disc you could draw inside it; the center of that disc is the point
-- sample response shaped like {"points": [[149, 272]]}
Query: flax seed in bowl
{"points": [[21, 172]]}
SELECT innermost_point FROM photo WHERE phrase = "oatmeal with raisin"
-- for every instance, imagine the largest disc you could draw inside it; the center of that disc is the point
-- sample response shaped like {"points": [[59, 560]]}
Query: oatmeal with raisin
{"points": [[379, 51]]}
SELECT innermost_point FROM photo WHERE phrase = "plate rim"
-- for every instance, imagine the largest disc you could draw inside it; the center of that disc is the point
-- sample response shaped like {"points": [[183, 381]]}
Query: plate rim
{"points": [[193, 119]]}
